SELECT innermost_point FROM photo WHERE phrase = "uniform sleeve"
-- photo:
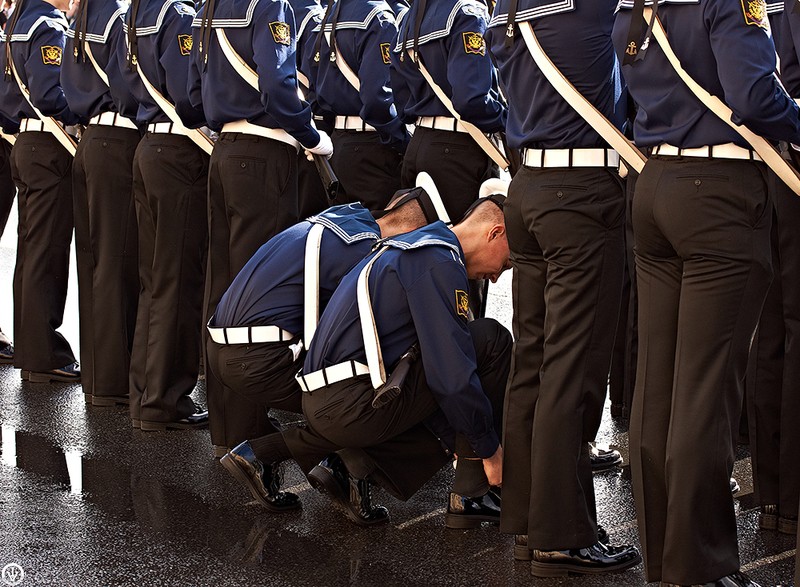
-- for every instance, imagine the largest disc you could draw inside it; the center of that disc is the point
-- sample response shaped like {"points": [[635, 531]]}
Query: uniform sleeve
{"points": [[175, 50], [377, 100], [194, 81], [274, 53], [745, 56], [448, 355], [471, 74], [43, 70]]}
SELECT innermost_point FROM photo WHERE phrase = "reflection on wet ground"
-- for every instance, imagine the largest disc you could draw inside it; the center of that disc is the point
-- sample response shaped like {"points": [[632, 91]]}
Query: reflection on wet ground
{"points": [[85, 500]]}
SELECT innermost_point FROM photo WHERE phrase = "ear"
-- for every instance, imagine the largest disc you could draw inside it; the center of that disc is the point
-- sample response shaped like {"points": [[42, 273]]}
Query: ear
{"points": [[496, 231]]}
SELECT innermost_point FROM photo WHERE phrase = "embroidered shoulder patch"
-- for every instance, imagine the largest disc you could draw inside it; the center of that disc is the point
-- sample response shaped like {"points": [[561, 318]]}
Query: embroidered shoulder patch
{"points": [[280, 32], [385, 53], [51, 55], [474, 43], [755, 13], [462, 303], [185, 44]]}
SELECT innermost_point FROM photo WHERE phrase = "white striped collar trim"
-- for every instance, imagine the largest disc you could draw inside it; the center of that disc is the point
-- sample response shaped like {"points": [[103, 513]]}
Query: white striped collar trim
{"points": [[341, 233], [219, 23], [629, 3], [99, 38], [774, 7], [150, 30], [533, 13], [59, 24], [354, 24], [441, 32]]}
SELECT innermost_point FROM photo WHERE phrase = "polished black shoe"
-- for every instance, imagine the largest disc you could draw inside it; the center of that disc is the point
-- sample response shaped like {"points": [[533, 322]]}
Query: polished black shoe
{"points": [[351, 495], [523, 553], [737, 579], [735, 486], [604, 459], [469, 512], [6, 353], [196, 420], [263, 481], [768, 517], [595, 559], [71, 373]]}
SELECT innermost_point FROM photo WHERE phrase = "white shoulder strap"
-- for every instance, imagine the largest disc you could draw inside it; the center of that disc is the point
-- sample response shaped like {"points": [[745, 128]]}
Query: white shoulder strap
{"points": [[311, 283], [343, 66], [369, 330], [97, 68], [610, 133], [197, 137], [50, 123], [761, 146], [483, 141]]}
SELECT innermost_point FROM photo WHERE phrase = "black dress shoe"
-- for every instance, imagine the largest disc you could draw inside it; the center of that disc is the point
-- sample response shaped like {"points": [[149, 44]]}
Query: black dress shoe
{"points": [[469, 512], [737, 579], [523, 553], [604, 459], [263, 481], [351, 495], [196, 420], [71, 373], [595, 559], [735, 486]]}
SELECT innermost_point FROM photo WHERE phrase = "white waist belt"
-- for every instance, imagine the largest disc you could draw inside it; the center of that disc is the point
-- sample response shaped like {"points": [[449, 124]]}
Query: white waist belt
{"points": [[329, 375], [165, 128], [31, 124], [352, 123], [571, 158], [248, 334], [441, 123], [113, 119], [276, 134], [726, 151]]}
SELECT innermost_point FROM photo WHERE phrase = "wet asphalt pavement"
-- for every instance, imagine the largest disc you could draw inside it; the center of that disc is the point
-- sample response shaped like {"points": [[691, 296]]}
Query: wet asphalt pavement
{"points": [[86, 500]]}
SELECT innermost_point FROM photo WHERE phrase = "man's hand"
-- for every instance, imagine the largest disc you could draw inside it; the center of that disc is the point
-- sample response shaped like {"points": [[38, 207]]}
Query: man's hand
{"points": [[493, 467], [324, 147]]}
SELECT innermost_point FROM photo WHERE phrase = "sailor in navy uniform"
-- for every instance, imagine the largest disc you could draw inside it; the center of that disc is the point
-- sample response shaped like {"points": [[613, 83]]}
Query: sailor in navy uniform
{"points": [[170, 175], [701, 218], [369, 138], [772, 402], [41, 168], [451, 46], [253, 174], [274, 302], [416, 293], [105, 218], [567, 282]]}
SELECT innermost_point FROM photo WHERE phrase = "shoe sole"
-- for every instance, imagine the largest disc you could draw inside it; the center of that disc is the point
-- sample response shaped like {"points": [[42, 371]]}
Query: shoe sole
{"points": [[562, 570], [522, 553], [48, 377], [230, 465], [615, 465], [136, 423], [320, 479], [463, 522], [6, 360], [109, 401], [151, 426], [25, 375]]}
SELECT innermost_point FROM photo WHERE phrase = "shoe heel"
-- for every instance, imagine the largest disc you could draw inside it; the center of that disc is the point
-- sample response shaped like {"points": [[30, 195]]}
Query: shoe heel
{"points": [[547, 570], [768, 521], [107, 402], [522, 553], [153, 426], [459, 522], [39, 377]]}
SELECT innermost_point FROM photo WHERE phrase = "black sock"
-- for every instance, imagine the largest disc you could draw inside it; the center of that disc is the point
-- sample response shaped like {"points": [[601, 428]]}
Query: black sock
{"points": [[271, 448]]}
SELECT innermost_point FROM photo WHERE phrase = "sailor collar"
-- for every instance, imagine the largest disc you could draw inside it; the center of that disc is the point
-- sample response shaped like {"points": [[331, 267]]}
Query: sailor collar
{"points": [[628, 4], [101, 22], [154, 12], [438, 21], [432, 235], [349, 222], [363, 24], [35, 16], [533, 9]]}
